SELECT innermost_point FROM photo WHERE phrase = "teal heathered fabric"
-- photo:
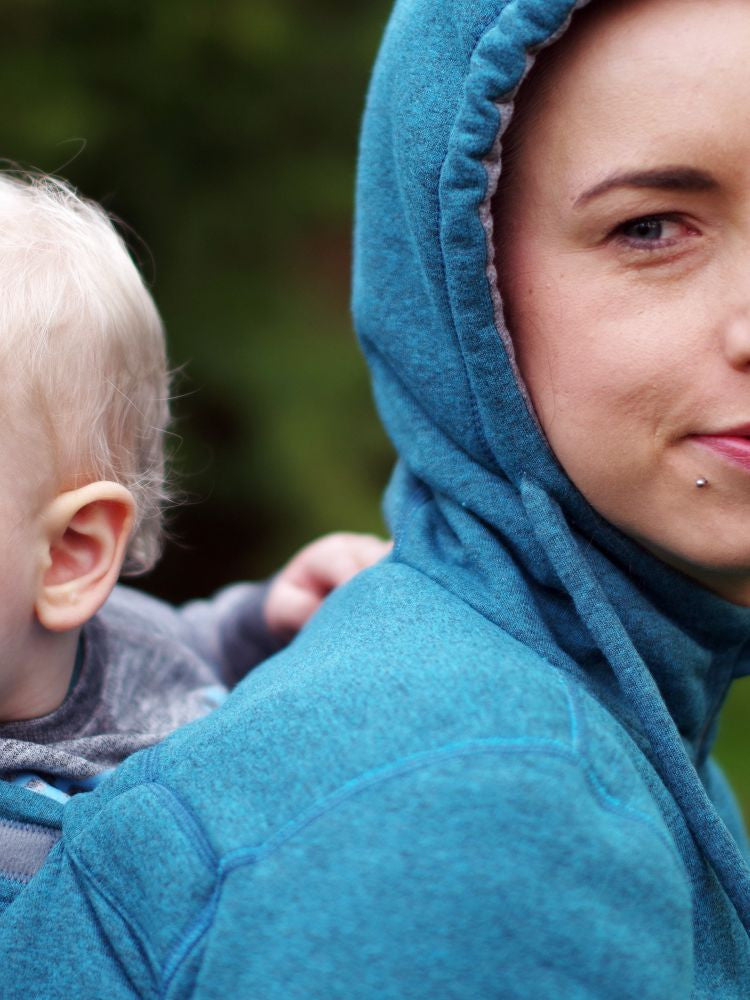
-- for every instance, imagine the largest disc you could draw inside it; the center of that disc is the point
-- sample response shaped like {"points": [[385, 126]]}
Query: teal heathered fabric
{"points": [[483, 770]]}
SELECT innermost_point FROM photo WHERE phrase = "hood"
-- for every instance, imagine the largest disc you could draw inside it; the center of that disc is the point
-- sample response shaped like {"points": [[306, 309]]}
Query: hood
{"points": [[478, 501]]}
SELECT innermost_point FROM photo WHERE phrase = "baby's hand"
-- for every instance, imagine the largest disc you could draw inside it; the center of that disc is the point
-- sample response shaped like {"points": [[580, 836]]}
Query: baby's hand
{"points": [[299, 588]]}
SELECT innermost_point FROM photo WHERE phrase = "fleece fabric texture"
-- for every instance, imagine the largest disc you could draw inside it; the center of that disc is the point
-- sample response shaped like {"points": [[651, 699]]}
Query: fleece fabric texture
{"points": [[483, 770]]}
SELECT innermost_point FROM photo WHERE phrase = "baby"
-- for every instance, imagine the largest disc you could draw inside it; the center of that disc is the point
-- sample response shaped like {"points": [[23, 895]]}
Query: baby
{"points": [[92, 672]]}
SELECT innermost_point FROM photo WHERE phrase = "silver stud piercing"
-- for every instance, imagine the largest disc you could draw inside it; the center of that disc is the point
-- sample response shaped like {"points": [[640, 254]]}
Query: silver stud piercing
{"points": [[700, 483]]}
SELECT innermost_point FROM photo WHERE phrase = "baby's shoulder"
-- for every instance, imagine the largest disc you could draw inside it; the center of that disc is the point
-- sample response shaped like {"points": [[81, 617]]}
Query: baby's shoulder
{"points": [[130, 611], [142, 638]]}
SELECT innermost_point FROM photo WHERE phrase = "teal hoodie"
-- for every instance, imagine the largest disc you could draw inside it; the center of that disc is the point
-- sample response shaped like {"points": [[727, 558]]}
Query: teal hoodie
{"points": [[483, 769]]}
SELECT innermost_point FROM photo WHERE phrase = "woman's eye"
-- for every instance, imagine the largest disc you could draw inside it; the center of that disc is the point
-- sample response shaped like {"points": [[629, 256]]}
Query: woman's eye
{"points": [[652, 232]]}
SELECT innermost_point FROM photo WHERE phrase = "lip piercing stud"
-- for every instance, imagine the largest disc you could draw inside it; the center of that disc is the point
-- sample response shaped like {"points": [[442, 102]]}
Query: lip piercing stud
{"points": [[700, 483]]}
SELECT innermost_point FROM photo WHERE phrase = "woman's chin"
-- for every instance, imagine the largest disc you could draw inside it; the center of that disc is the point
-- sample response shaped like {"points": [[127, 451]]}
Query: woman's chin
{"points": [[721, 566]]}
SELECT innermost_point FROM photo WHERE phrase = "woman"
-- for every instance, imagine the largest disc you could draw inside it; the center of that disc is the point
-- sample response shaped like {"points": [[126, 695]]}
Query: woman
{"points": [[483, 770]]}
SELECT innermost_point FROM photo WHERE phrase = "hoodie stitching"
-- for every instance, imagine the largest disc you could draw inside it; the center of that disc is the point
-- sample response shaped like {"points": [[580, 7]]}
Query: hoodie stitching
{"points": [[186, 819], [419, 761], [575, 727], [244, 857], [193, 935], [137, 933]]}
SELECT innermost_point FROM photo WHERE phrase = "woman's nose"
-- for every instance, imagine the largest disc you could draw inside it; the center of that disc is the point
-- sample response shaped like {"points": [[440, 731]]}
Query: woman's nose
{"points": [[737, 338]]}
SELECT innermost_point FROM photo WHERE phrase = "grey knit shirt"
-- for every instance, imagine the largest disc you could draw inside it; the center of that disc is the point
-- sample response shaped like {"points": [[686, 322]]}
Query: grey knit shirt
{"points": [[146, 668]]}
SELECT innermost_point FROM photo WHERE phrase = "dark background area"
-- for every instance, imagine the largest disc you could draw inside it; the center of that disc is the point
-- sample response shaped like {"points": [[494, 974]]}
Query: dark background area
{"points": [[224, 133]]}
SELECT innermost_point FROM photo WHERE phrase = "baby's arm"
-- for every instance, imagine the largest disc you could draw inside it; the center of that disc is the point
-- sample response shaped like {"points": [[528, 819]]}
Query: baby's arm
{"points": [[245, 623], [301, 586]]}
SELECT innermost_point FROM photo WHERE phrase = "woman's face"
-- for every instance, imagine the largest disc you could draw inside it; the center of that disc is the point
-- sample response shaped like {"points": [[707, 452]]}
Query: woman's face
{"points": [[625, 255]]}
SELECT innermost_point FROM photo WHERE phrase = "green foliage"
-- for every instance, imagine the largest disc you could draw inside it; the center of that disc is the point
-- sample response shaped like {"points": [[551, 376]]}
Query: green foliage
{"points": [[732, 744]]}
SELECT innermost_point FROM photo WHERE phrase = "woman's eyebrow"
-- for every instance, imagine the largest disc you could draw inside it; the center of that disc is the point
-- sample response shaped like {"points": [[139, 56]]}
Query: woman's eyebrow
{"points": [[662, 178]]}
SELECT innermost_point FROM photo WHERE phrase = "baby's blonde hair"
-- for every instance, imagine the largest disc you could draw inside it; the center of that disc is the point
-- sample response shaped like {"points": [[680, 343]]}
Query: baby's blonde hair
{"points": [[82, 349]]}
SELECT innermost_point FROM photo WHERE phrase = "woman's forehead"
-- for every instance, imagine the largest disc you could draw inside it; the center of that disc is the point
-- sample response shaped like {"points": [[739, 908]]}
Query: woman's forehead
{"points": [[645, 47], [640, 81]]}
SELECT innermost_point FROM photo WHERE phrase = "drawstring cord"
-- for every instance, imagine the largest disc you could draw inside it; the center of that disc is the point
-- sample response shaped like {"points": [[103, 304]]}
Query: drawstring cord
{"points": [[635, 680]]}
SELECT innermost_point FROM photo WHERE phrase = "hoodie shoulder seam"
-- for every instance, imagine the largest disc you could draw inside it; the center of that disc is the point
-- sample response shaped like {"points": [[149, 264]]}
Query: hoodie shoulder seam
{"points": [[248, 856]]}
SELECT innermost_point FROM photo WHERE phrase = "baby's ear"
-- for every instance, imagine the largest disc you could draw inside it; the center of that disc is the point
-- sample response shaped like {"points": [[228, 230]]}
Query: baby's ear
{"points": [[85, 538]]}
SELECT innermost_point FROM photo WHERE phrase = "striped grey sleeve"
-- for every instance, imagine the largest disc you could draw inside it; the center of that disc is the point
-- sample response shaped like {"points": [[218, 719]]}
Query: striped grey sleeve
{"points": [[227, 630], [230, 630]]}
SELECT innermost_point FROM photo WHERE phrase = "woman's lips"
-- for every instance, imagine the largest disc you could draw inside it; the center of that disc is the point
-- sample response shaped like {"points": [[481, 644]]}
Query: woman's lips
{"points": [[730, 445]]}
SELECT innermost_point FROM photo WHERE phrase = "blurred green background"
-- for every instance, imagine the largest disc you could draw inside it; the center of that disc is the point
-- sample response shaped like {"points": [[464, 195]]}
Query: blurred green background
{"points": [[225, 133]]}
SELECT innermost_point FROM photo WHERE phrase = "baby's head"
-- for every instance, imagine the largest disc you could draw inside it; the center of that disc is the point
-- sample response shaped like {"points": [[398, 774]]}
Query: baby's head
{"points": [[83, 410], [82, 357]]}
